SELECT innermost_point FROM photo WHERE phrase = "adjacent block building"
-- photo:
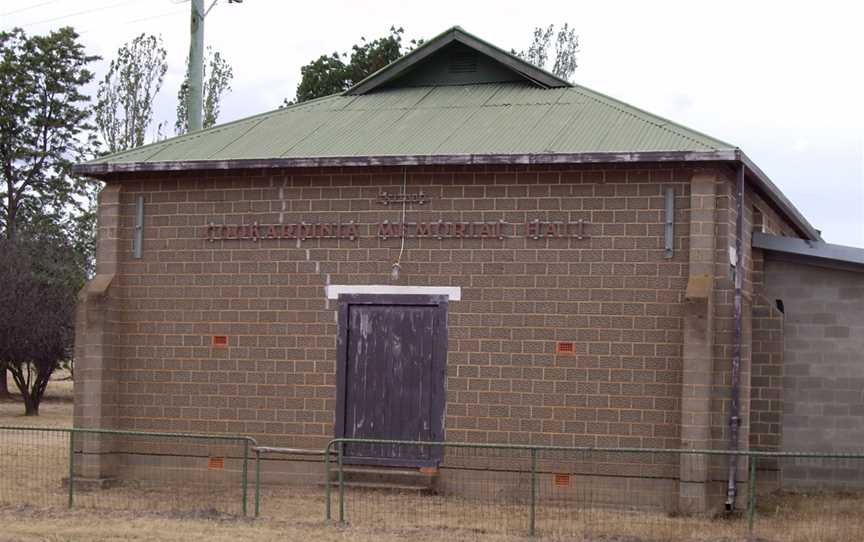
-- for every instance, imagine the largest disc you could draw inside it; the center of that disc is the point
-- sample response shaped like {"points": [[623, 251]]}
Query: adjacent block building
{"points": [[462, 248]]}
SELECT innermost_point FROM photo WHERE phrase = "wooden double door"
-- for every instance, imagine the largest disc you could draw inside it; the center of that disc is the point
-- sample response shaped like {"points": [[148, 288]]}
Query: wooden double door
{"points": [[391, 355]]}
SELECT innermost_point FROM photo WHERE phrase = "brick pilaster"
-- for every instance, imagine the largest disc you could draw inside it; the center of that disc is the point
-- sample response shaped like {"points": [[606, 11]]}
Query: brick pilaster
{"points": [[95, 382], [697, 363]]}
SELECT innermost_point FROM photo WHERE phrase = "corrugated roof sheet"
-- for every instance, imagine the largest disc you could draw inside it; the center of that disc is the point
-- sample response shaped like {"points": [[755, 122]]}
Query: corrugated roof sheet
{"points": [[527, 116], [498, 118]]}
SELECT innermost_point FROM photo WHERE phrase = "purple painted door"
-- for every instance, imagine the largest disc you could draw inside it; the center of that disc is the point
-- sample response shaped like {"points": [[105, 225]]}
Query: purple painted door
{"points": [[393, 382]]}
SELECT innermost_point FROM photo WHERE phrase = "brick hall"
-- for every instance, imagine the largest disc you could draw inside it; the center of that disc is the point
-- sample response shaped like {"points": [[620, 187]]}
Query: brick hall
{"points": [[463, 248]]}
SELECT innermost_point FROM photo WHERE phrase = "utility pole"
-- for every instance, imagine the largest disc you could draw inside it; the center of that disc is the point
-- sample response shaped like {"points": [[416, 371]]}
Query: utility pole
{"points": [[195, 107], [196, 66]]}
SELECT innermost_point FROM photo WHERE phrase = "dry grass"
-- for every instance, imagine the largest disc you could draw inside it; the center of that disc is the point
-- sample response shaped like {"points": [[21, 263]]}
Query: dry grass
{"points": [[297, 517], [786, 518], [290, 513], [25, 524]]}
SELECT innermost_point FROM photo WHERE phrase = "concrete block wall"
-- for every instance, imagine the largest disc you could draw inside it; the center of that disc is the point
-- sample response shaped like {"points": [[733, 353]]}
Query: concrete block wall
{"points": [[823, 381]]}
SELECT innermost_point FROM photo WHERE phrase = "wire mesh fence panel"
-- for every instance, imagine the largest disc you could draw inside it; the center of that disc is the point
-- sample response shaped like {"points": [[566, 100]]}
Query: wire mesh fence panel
{"points": [[124, 470], [178, 473], [34, 467], [289, 484], [617, 495], [476, 490]]}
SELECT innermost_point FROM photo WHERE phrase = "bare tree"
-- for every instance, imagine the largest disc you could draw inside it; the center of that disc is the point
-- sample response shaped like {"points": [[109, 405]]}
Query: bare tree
{"points": [[40, 277], [566, 47], [124, 108], [217, 81], [538, 51]]}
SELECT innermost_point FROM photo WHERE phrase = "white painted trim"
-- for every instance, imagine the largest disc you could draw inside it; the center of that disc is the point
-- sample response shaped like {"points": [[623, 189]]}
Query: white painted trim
{"points": [[454, 293]]}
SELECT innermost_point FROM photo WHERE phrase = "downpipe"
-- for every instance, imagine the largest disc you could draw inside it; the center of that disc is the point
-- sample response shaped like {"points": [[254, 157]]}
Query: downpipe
{"points": [[735, 399]]}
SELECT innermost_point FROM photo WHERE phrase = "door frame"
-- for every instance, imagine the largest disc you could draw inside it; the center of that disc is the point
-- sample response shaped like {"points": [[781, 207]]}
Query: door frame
{"points": [[439, 367]]}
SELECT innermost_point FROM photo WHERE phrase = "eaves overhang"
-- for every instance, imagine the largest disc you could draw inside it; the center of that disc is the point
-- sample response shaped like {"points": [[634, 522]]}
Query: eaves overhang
{"points": [[107, 168]]}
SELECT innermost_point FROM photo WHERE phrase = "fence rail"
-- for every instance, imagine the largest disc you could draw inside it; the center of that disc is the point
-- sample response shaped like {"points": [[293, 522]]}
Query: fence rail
{"points": [[102, 468]]}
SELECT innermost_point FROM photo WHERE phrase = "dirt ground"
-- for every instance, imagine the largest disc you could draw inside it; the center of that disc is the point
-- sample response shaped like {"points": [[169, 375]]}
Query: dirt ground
{"points": [[290, 513]]}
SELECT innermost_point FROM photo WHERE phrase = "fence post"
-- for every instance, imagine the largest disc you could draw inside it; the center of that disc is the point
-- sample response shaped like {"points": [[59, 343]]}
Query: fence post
{"points": [[531, 515], [327, 481], [257, 481], [71, 466], [751, 495], [245, 472], [341, 486]]}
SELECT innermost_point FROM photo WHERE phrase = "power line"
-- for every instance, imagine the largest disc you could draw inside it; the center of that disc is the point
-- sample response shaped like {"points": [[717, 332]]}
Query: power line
{"points": [[156, 16], [28, 8], [133, 21], [92, 10]]}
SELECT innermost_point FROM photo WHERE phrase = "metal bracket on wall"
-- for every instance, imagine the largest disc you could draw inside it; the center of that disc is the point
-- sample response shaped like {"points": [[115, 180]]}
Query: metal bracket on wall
{"points": [[138, 237], [669, 242]]}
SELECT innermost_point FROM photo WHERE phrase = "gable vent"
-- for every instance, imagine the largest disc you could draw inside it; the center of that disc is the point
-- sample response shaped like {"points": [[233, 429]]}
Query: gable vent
{"points": [[462, 63]]}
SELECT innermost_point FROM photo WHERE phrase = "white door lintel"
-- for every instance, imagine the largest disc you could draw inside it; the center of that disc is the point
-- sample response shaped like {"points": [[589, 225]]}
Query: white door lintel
{"points": [[454, 293]]}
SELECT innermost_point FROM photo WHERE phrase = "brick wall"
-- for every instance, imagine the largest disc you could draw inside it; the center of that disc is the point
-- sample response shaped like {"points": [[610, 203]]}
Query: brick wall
{"points": [[767, 376], [766, 391], [614, 295]]}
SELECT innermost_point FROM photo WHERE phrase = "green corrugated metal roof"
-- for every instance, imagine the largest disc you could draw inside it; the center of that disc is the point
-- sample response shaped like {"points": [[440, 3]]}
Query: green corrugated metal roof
{"points": [[524, 115], [497, 118]]}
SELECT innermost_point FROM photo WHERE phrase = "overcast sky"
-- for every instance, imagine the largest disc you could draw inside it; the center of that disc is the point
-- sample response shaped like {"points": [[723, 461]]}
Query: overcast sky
{"points": [[783, 80]]}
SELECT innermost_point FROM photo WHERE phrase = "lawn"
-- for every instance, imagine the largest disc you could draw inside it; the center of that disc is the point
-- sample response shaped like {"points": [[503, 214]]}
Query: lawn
{"points": [[32, 469]]}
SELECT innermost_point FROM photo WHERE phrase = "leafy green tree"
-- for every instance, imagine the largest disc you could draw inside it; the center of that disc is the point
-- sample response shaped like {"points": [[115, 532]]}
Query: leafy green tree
{"points": [[217, 81], [124, 107], [330, 74], [41, 275], [44, 130], [566, 45]]}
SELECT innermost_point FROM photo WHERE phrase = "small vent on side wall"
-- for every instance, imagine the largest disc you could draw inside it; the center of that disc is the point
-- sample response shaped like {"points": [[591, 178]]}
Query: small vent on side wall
{"points": [[216, 463], [220, 340], [462, 63], [562, 480], [565, 347]]}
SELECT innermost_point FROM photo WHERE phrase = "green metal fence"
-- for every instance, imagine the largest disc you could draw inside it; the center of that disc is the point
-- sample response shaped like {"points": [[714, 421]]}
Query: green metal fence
{"points": [[546, 491], [609, 493], [125, 470]]}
